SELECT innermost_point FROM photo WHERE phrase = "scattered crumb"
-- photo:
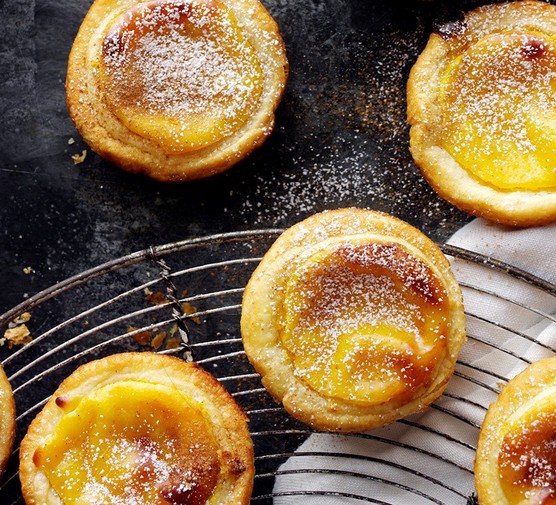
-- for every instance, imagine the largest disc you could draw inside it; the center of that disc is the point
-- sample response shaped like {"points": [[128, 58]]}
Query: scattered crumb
{"points": [[155, 341], [28, 270], [79, 158], [189, 309], [18, 335], [23, 318], [71, 141], [173, 343], [158, 340], [156, 298], [142, 338]]}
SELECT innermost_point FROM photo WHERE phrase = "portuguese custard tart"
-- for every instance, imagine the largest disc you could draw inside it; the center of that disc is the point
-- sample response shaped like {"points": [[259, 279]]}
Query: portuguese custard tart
{"points": [[7, 420], [516, 454], [138, 429], [482, 108], [354, 319], [176, 89]]}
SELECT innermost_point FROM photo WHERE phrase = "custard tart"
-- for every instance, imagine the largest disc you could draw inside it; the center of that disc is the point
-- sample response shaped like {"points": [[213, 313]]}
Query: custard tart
{"points": [[482, 108], [7, 420], [515, 462], [176, 89], [353, 319], [138, 428]]}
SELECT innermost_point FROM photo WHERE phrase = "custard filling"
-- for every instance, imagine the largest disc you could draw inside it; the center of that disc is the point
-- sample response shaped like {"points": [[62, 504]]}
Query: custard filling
{"points": [[130, 443], [499, 111], [180, 73], [527, 457], [364, 322]]}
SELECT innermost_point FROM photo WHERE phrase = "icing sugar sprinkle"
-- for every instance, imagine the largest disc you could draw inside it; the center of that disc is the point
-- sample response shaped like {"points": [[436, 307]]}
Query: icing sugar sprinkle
{"points": [[175, 58]]}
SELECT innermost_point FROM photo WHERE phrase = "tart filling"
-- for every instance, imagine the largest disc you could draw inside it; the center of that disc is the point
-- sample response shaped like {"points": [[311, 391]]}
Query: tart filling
{"points": [[353, 319], [498, 113], [138, 428], [365, 320], [130, 442], [180, 73], [527, 457]]}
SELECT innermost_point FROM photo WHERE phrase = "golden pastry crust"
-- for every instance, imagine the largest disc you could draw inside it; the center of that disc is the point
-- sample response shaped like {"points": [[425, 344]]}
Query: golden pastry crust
{"points": [[481, 100], [515, 461], [176, 89], [353, 319], [7, 420], [138, 428]]}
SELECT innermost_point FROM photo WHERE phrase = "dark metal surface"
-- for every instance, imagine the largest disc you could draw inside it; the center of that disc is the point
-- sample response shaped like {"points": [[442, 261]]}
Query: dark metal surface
{"points": [[340, 139]]}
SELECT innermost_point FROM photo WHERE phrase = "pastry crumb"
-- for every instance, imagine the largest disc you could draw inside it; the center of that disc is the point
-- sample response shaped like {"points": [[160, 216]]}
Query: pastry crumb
{"points": [[22, 318], [142, 337], [156, 298], [71, 141], [189, 309], [173, 343], [79, 158], [28, 270], [158, 340], [18, 335], [155, 341]]}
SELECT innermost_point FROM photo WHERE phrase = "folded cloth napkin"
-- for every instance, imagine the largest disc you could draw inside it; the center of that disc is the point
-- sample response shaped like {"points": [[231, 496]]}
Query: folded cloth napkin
{"points": [[428, 458]]}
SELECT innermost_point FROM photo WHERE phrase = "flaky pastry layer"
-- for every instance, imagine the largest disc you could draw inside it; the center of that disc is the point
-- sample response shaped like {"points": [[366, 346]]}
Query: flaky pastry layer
{"points": [[113, 130], [514, 463], [357, 311], [231, 469], [497, 164], [7, 420]]}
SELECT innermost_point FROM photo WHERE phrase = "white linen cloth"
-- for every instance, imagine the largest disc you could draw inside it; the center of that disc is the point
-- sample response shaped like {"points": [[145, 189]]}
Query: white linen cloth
{"points": [[428, 458]]}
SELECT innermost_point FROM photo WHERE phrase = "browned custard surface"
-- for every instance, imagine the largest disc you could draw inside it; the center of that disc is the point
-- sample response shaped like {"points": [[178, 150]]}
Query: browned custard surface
{"points": [[481, 102], [516, 452], [176, 89], [364, 322], [131, 443], [180, 73], [527, 460]]}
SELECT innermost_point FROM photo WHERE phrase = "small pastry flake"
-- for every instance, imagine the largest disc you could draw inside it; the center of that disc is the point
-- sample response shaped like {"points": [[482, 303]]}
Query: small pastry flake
{"points": [[176, 89], [516, 458], [138, 428], [7, 420], [353, 319], [481, 104]]}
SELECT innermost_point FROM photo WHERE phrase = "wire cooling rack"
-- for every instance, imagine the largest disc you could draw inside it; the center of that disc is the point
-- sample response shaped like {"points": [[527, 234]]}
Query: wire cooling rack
{"points": [[184, 299]]}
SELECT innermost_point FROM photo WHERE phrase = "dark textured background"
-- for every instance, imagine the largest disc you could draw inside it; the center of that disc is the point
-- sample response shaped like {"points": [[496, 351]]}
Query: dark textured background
{"points": [[340, 139]]}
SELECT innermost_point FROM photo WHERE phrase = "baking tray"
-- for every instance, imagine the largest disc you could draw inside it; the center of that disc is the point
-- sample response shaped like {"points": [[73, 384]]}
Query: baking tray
{"points": [[341, 139]]}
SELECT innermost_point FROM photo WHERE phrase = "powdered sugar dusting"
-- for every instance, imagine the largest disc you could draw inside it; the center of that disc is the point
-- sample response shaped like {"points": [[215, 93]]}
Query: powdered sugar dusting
{"points": [[500, 100], [360, 321], [521, 75], [362, 155], [132, 451], [527, 462], [180, 58]]}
